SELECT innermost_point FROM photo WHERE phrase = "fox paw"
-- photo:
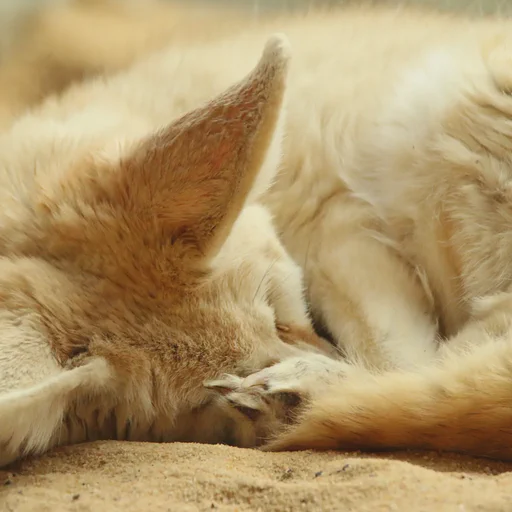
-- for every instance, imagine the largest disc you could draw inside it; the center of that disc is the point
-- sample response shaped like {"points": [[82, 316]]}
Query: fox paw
{"points": [[273, 397]]}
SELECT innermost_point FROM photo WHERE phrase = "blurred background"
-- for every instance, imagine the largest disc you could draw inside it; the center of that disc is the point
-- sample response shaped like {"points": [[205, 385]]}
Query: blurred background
{"points": [[47, 45], [473, 6]]}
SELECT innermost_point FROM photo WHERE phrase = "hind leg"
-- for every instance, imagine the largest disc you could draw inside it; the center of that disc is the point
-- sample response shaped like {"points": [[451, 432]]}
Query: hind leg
{"points": [[26, 360], [372, 302], [25, 355], [31, 416], [35, 390]]}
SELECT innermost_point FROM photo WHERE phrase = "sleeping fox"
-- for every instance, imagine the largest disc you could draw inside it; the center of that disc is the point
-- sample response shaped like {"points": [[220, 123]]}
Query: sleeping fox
{"points": [[134, 267], [158, 226]]}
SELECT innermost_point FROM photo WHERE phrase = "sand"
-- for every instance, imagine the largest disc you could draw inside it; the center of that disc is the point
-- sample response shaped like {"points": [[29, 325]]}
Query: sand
{"points": [[111, 476]]}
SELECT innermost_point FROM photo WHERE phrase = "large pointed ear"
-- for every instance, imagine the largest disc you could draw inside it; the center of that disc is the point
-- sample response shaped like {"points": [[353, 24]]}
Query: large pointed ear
{"points": [[194, 176]]}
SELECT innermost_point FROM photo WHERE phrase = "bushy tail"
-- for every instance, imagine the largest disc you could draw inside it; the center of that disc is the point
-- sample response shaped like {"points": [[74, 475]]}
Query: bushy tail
{"points": [[464, 405], [30, 418]]}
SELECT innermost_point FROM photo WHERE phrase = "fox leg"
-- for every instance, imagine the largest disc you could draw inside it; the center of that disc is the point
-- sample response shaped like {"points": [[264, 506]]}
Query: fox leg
{"points": [[461, 404], [35, 390], [375, 305]]}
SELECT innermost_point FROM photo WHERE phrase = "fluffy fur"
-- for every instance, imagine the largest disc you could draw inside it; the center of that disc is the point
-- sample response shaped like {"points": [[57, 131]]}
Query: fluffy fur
{"points": [[393, 198], [135, 264]]}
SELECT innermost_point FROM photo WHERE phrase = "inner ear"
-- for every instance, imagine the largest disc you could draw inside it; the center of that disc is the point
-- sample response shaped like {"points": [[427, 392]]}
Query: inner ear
{"points": [[193, 177]]}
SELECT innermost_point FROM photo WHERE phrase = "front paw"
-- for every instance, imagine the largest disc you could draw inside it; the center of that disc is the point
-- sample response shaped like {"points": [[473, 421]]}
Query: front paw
{"points": [[303, 375], [274, 396], [247, 401]]}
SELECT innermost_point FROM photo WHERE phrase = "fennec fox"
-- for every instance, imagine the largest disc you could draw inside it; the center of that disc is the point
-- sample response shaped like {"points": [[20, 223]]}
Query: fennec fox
{"points": [[393, 197], [136, 263]]}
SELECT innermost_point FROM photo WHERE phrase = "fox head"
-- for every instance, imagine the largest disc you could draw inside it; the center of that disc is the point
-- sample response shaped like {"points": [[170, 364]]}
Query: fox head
{"points": [[150, 250]]}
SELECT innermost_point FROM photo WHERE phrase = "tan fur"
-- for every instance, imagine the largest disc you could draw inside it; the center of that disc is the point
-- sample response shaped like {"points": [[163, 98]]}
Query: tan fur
{"points": [[133, 269], [393, 197]]}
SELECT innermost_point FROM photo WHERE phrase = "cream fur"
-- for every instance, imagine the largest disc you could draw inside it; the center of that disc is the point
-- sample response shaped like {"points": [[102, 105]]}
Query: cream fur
{"points": [[393, 198]]}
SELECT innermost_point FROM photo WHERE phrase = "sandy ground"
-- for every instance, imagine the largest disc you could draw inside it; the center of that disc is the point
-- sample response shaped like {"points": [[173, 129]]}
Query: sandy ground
{"points": [[111, 476]]}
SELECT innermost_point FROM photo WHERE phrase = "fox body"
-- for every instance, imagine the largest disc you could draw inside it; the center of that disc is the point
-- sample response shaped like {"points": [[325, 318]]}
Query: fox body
{"points": [[157, 226]]}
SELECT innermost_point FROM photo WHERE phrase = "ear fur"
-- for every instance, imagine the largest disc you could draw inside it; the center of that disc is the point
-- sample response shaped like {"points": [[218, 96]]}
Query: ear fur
{"points": [[194, 176]]}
